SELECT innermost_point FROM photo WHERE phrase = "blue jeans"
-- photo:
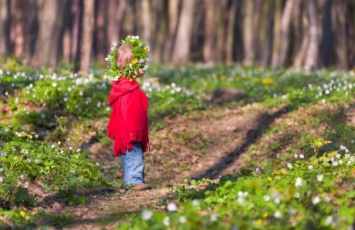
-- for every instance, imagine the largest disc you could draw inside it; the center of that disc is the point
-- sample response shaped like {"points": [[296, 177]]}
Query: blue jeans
{"points": [[133, 166]]}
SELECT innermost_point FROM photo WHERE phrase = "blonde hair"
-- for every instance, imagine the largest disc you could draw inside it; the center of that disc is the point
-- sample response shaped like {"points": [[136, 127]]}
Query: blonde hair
{"points": [[124, 55]]}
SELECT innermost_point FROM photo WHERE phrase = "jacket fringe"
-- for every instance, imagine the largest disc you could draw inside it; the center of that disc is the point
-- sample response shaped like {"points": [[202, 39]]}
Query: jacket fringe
{"points": [[126, 142]]}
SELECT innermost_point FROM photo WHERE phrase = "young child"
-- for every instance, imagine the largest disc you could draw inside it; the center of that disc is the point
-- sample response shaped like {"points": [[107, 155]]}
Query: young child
{"points": [[128, 124]]}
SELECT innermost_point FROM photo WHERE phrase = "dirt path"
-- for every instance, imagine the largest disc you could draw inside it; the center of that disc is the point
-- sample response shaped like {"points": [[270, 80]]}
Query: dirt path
{"points": [[203, 144]]}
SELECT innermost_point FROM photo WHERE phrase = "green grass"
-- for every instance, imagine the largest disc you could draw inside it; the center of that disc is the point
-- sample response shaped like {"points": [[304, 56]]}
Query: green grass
{"points": [[61, 107]]}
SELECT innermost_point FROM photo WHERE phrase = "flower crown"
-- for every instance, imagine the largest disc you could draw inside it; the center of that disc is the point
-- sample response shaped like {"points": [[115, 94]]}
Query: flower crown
{"points": [[138, 63]]}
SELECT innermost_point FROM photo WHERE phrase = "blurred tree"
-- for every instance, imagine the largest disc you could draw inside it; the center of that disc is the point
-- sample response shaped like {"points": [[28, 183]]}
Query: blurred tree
{"points": [[5, 22], [248, 32], [88, 29], [100, 46], [116, 9], [173, 16], [49, 34], [313, 45], [340, 15], [285, 29], [184, 32], [209, 52]]}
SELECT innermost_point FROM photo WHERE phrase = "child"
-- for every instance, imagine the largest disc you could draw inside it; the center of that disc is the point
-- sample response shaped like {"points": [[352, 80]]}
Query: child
{"points": [[128, 124]]}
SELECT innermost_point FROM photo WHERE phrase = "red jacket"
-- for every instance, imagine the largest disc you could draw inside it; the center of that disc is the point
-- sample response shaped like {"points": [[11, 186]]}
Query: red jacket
{"points": [[129, 117]]}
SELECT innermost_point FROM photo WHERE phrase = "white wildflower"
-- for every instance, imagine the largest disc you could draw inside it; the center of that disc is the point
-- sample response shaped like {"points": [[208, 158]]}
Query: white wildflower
{"points": [[310, 167], [316, 200], [277, 214], [172, 207], [54, 84], [182, 219], [289, 165], [266, 197], [298, 182], [329, 220], [166, 221], [296, 155], [213, 217], [297, 195], [147, 214], [78, 150], [301, 156], [320, 177], [195, 202]]}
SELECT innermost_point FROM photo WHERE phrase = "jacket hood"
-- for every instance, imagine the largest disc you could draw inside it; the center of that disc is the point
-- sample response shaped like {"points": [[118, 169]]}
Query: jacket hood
{"points": [[120, 88]]}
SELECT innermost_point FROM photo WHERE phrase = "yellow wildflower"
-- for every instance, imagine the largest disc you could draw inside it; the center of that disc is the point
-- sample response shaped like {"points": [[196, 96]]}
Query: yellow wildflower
{"points": [[27, 217], [265, 215], [267, 81], [269, 179], [134, 61], [259, 222], [22, 213], [132, 40]]}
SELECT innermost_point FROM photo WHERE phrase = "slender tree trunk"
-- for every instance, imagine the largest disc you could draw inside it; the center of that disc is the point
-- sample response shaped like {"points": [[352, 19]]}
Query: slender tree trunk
{"points": [[339, 17], [230, 31], [276, 46], [99, 44], [5, 27], [209, 52], [116, 11], [146, 21], [248, 33], [313, 45], [285, 25], [184, 32], [302, 51], [47, 44], [160, 24], [266, 34], [173, 18], [326, 47], [32, 28], [351, 33], [17, 33], [88, 28]]}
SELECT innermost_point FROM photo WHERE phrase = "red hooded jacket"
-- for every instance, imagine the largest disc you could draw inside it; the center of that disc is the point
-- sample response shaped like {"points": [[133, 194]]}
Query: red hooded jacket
{"points": [[129, 117]]}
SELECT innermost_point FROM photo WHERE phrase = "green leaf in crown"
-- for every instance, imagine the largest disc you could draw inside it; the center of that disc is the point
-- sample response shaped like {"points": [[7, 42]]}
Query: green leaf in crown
{"points": [[137, 65]]}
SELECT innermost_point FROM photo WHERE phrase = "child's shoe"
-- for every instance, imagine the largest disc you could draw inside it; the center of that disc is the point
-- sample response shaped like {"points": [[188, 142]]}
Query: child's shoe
{"points": [[140, 187]]}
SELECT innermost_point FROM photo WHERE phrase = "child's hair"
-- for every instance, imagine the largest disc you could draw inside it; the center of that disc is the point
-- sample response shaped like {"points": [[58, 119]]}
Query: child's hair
{"points": [[124, 55]]}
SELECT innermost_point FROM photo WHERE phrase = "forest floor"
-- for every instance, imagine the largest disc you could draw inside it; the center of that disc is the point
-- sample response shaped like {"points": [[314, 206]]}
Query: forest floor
{"points": [[204, 144]]}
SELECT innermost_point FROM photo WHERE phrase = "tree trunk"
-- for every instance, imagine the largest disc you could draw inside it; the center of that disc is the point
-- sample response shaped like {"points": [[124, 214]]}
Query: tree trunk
{"points": [[209, 52], [146, 21], [230, 31], [99, 36], [326, 44], [313, 45], [266, 33], [339, 16], [5, 27], [248, 33], [88, 28], [173, 18], [302, 51], [115, 14], [276, 45], [351, 33], [285, 25], [160, 24], [184, 32], [50, 23]]}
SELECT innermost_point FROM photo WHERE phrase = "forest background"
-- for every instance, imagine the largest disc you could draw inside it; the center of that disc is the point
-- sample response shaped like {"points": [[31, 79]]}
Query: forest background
{"points": [[291, 33]]}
